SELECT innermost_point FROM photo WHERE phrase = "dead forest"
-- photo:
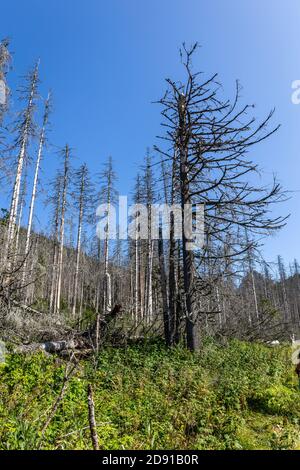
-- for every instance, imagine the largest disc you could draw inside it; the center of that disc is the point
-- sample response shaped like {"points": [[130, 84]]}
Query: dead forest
{"points": [[62, 286]]}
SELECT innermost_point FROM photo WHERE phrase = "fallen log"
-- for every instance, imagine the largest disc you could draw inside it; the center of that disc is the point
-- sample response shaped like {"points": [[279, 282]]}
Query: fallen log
{"points": [[82, 341], [26, 307], [48, 347]]}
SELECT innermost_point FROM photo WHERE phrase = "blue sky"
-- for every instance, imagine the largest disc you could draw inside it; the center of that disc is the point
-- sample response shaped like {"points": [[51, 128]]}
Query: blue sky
{"points": [[106, 61]]}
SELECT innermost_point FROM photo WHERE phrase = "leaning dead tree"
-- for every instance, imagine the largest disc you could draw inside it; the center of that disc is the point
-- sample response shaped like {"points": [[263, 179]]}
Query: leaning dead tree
{"points": [[210, 138]]}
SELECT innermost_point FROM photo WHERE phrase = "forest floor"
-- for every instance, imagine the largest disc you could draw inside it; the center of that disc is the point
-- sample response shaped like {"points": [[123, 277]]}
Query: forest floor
{"points": [[238, 396]]}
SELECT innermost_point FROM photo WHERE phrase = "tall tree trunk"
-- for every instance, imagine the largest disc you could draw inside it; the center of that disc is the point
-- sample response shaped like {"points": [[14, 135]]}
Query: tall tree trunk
{"points": [[62, 227], [35, 183], [25, 131], [78, 245], [164, 294], [53, 284], [188, 259], [136, 284]]}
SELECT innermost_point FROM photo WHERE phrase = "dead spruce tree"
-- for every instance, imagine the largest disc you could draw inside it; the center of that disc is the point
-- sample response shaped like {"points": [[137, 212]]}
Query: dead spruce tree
{"points": [[24, 129], [82, 197], [138, 281], [107, 198], [5, 60], [65, 181], [42, 140], [4, 95], [54, 199], [148, 190], [210, 138], [164, 288]]}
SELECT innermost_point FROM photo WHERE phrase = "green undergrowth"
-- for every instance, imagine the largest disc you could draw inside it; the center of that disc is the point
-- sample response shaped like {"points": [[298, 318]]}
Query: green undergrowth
{"points": [[239, 396]]}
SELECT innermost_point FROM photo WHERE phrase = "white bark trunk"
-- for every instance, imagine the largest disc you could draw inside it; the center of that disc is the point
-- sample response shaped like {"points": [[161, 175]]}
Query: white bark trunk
{"points": [[32, 201], [17, 184], [62, 231], [78, 248]]}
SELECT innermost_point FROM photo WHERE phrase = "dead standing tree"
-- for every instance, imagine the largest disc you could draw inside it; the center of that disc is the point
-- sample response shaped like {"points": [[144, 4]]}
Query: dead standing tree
{"points": [[55, 201], [149, 200], [4, 95], [82, 200], [25, 129], [209, 139], [35, 182], [107, 197], [138, 281], [4, 67], [64, 195]]}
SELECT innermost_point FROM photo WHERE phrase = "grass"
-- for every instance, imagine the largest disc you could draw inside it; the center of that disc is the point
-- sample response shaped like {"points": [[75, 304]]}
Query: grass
{"points": [[239, 396]]}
